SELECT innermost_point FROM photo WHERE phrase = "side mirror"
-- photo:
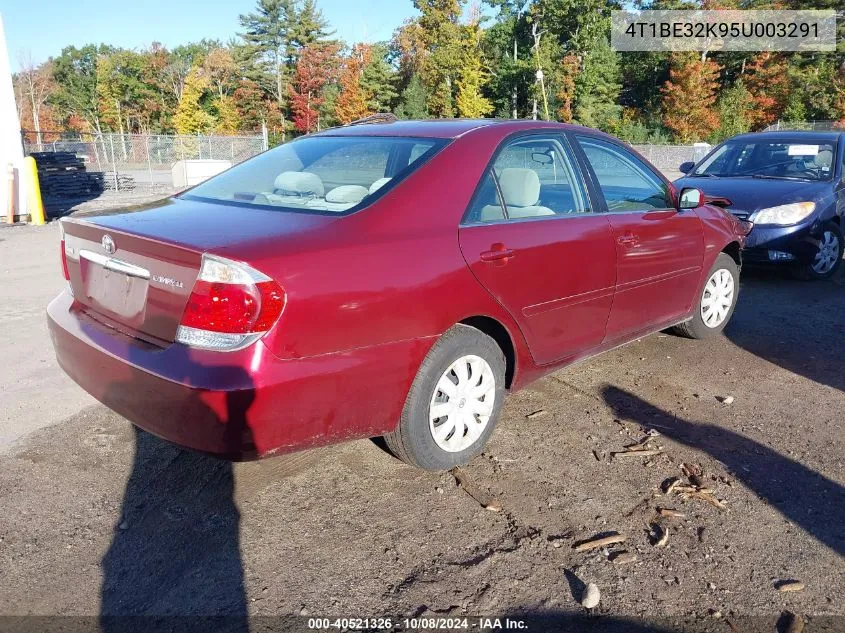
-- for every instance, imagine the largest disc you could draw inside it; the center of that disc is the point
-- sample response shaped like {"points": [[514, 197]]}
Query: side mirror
{"points": [[686, 167], [690, 198]]}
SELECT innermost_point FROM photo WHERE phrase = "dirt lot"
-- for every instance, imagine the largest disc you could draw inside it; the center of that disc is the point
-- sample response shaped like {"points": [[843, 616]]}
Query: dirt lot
{"points": [[98, 519]]}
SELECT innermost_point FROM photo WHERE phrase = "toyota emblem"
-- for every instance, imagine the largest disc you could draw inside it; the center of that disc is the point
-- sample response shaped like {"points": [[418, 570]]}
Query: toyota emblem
{"points": [[108, 244]]}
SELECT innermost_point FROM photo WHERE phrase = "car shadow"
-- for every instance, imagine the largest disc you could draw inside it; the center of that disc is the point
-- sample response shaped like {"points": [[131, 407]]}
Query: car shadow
{"points": [[174, 562], [805, 497], [772, 317]]}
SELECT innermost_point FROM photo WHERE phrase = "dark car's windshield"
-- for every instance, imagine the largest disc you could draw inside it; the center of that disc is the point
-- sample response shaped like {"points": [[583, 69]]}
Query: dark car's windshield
{"points": [[791, 160], [319, 174]]}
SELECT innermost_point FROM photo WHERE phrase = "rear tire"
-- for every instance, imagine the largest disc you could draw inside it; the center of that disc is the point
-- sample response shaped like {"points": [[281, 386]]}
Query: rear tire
{"points": [[716, 301], [454, 402]]}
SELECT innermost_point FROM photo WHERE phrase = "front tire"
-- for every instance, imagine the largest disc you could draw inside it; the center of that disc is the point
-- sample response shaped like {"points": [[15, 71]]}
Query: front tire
{"points": [[716, 302], [828, 256], [454, 402]]}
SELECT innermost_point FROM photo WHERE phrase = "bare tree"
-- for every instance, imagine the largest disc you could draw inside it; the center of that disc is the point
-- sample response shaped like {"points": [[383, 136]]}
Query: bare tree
{"points": [[35, 83]]}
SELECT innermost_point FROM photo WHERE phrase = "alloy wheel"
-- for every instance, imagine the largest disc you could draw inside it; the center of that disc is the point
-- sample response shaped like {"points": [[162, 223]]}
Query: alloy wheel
{"points": [[829, 252], [462, 403], [718, 298]]}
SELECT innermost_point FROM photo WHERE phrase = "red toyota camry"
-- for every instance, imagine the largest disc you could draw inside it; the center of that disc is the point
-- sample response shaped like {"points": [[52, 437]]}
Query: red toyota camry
{"points": [[392, 279]]}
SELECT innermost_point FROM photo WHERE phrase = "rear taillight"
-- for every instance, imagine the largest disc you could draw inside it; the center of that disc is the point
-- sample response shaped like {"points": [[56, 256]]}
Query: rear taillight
{"points": [[64, 263], [64, 253], [231, 306]]}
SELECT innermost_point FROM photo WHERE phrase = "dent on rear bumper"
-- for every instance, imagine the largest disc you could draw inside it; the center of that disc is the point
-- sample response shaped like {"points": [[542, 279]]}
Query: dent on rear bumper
{"points": [[238, 405]]}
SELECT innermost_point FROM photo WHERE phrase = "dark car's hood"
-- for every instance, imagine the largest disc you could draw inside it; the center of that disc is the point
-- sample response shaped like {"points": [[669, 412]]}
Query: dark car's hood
{"points": [[748, 195]]}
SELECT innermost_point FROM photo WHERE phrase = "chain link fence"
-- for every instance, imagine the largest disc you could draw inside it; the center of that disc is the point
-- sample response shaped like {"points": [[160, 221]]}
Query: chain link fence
{"points": [[667, 158], [140, 163]]}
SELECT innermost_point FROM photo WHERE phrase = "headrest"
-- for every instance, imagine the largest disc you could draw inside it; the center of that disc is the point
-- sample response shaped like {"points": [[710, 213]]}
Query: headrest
{"points": [[349, 194], [520, 187], [302, 183], [378, 184], [824, 159]]}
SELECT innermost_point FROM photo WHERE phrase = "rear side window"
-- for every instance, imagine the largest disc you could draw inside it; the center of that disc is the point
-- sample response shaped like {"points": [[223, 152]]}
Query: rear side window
{"points": [[532, 177], [626, 183], [319, 174]]}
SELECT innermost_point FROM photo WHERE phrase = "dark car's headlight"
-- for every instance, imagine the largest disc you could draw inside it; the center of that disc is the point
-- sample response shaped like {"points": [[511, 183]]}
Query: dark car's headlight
{"points": [[785, 213]]}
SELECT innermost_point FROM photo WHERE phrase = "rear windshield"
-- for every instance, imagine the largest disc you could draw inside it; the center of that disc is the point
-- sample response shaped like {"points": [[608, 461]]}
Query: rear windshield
{"points": [[319, 174], [782, 160]]}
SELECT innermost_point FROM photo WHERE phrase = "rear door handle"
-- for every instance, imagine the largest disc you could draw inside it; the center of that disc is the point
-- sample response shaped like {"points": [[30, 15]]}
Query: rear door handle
{"points": [[497, 253], [629, 239]]}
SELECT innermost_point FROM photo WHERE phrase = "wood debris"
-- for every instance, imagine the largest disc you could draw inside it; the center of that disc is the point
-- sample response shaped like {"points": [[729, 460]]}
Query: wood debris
{"points": [[639, 449], [790, 585], [623, 558], [596, 543], [693, 489], [670, 514], [483, 499], [637, 453], [670, 484], [705, 496]]}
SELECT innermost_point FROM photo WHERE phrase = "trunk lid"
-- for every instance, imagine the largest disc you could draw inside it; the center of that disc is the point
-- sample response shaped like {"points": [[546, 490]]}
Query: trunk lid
{"points": [[135, 270]]}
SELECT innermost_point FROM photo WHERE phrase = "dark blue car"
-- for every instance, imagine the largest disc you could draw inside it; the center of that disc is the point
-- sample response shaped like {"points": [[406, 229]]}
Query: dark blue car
{"points": [[791, 185]]}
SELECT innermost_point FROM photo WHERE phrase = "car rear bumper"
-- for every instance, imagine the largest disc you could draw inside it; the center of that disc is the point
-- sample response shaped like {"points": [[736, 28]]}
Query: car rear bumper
{"points": [[240, 405]]}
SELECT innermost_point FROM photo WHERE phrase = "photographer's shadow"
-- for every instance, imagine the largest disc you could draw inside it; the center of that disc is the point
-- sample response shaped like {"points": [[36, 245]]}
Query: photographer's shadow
{"points": [[176, 547], [805, 497]]}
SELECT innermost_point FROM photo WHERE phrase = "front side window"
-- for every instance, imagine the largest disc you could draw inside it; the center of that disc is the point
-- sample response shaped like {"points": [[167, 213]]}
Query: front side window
{"points": [[320, 174], [626, 183], [798, 159], [531, 177]]}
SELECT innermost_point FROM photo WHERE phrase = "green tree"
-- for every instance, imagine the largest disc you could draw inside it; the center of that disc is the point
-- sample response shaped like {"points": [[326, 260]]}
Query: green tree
{"points": [[507, 44], [735, 106], [441, 35], [309, 27], [597, 88], [269, 44], [414, 101], [75, 73], [378, 79], [123, 91]]}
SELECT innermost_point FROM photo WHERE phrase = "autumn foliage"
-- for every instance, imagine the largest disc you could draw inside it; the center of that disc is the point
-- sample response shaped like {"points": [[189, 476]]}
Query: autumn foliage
{"points": [[767, 81], [569, 67], [352, 102], [689, 98], [316, 66]]}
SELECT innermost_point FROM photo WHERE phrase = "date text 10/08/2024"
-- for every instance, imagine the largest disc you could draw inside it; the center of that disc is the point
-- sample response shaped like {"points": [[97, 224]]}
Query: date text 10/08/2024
{"points": [[410, 624]]}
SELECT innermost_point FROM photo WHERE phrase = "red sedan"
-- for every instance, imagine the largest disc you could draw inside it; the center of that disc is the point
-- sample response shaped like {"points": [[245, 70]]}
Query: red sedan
{"points": [[390, 279]]}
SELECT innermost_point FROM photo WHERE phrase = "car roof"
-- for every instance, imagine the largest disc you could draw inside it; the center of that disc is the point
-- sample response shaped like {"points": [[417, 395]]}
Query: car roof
{"points": [[446, 128], [779, 135]]}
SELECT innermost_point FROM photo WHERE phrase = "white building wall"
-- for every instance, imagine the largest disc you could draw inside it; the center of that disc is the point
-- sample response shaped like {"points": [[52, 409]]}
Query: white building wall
{"points": [[11, 148]]}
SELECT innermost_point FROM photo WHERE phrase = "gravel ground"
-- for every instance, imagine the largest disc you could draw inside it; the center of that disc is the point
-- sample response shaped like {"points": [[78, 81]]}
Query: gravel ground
{"points": [[97, 518]]}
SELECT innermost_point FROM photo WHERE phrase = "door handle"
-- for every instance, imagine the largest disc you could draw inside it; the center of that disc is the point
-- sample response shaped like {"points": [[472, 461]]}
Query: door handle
{"points": [[497, 253], [629, 239]]}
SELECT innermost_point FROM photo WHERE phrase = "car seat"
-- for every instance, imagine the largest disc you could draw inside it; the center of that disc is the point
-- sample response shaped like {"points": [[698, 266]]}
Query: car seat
{"points": [[521, 192]]}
